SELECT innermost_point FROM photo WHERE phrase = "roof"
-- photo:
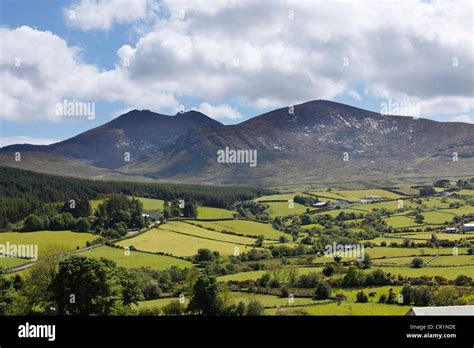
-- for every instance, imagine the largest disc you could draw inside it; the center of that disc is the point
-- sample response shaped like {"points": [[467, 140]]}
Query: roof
{"points": [[320, 203], [445, 310], [468, 225]]}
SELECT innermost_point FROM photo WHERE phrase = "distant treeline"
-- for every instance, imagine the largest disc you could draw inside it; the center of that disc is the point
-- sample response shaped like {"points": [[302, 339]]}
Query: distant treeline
{"points": [[23, 192]]}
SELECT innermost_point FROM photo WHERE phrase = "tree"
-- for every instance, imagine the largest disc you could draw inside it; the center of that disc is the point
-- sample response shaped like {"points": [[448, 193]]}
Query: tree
{"points": [[33, 223], [82, 225], [205, 297], [205, 255], [259, 241], [255, 308], [419, 218], [366, 261], [174, 308], [7, 295], [417, 262], [190, 210], [362, 297], [323, 291], [87, 286]]}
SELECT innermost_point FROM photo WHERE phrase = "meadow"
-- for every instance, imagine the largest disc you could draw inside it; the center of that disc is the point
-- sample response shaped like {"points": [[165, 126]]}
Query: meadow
{"points": [[136, 259], [47, 239], [168, 242], [244, 227]]}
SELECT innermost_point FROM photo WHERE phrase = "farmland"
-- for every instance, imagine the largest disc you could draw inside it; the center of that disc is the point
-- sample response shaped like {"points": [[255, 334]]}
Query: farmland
{"points": [[136, 259], [169, 242], [48, 239], [267, 249]]}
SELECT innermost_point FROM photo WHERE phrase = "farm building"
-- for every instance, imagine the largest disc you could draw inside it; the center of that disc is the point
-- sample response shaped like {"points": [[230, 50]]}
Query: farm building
{"points": [[445, 310], [450, 230], [468, 227], [320, 204], [151, 216]]}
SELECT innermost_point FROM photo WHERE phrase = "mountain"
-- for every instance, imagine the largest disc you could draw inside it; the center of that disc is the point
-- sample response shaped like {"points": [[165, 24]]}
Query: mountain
{"points": [[319, 141], [136, 132], [311, 144]]}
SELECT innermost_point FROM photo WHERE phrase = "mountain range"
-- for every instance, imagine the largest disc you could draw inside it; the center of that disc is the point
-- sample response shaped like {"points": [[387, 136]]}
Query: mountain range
{"points": [[317, 141]]}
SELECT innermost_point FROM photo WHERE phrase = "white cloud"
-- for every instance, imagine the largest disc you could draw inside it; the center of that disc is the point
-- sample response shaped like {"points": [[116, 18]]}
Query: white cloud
{"points": [[223, 111], [354, 95], [251, 52], [4, 141], [463, 118], [38, 70], [102, 14]]}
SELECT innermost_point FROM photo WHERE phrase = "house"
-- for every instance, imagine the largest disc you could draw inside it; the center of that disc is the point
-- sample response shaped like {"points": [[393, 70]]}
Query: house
{"points": [[151, 216], [450, 230], [320, 204], [445, 310], [468, 227]]}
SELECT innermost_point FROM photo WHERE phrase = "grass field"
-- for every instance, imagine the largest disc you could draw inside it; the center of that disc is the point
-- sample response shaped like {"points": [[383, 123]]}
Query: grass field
{"points": [[214, 213], [459, 260], [347, 308], [401, 221], [447, 272], [427, 235], [244, 227], [282, 209], [44, 239], [357, 195], [380, 252], [150, 204], [280, 197], [399, 261], [161, 240], [8, 262], [204, 233], [136, 259]]}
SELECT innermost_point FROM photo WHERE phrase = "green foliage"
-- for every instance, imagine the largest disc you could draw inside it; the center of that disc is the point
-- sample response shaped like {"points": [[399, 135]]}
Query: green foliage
{"points": [[87, 286], [205, 299], [323, 291]]}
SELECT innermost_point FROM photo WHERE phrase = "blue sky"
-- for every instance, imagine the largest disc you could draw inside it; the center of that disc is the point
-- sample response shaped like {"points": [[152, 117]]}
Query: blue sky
{"points": [[184, 53]]}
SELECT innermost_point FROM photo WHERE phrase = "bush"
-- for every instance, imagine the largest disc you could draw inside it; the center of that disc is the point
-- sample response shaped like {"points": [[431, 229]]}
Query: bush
{"points": [[362, 297], [323, 291]]}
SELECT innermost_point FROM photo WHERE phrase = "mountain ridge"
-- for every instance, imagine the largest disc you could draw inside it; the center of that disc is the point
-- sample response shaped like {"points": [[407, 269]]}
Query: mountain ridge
{"points": [[318, 139]]}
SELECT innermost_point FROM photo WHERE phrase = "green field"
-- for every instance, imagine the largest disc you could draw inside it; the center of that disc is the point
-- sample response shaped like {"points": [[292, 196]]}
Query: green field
{"points": [[283, 209], [136, 259], [458, 260], [280, 197], [204, 233], [244, 227], [161, 240], [447, 272], [214, 213], [357, 195], [45, 239], [8, 262], [347, 308], [150, 204]]}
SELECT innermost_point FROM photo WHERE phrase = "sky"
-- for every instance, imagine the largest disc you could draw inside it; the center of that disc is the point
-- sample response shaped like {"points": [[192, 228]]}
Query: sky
{"points": [[229, 59]]}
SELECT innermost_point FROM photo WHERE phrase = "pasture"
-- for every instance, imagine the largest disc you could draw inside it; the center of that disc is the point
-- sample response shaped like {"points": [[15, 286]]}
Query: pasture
{"points": [[47, 239], [244, 227], [168, 242], [136, 259]]}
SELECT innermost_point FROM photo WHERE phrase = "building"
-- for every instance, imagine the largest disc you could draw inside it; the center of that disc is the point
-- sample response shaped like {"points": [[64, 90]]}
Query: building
{"points": [[468, 227], [450, 230], [320, 204], [445, 310], [152, 216]]}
